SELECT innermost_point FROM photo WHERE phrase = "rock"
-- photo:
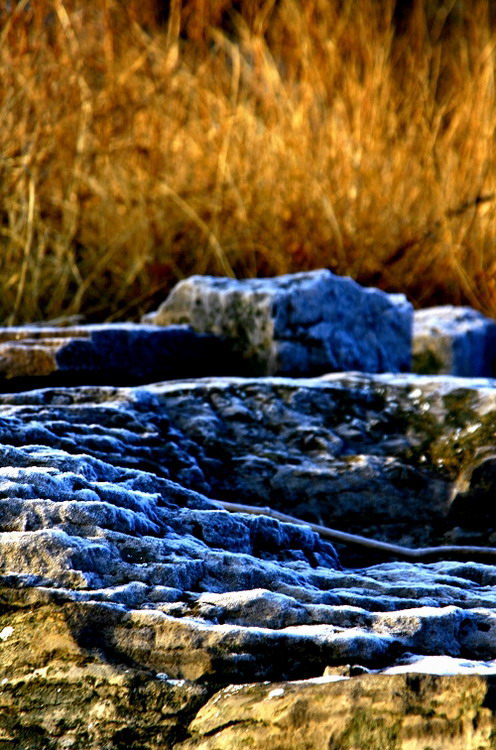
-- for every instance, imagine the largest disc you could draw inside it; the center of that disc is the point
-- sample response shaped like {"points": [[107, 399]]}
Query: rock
{"points": [[364, 453], [454, 340], [56, 692], [298, 324], [129, 599], [440, 665], [114, 353], [373, 712], [66, 522]]}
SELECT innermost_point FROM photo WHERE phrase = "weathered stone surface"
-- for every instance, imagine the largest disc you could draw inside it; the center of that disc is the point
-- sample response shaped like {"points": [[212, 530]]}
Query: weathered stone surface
{"points": [[372, 712], [128, 599], [75, 699], [454, 340], [298, 324], [404, 458], [111, 353]]}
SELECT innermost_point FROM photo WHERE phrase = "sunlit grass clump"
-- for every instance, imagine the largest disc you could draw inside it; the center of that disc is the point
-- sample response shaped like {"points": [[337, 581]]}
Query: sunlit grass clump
{"points": [[138, 148]]}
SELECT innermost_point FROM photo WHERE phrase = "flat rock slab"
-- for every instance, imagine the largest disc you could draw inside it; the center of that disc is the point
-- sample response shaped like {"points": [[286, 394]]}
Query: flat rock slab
{"points": [[128, 599], [110, 353], [455, 340], [298, 324]]}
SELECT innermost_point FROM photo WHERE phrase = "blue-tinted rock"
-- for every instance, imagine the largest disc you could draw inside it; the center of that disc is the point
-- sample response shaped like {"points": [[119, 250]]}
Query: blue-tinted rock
{"points": [[455, 340], [111, 353], [298, 324]]}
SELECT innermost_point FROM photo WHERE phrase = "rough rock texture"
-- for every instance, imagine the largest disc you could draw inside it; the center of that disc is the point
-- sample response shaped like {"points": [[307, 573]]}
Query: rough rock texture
{"points": [[454, 340], [299, 324], [111, 353], [129, 601], [373, 713]]}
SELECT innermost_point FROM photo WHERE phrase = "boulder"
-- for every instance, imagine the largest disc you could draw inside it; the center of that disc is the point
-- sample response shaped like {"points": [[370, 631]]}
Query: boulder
{"points": [[133, 608], [299, 324], [34, 356], [454, 340]]}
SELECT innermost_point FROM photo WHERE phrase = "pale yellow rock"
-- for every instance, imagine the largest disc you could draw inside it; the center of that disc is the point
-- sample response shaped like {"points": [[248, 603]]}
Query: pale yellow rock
{"points": [[370, 712]]}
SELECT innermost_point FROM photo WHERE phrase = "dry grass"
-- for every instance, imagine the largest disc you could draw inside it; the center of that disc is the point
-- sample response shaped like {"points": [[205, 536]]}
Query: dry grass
{"points": [[298, 134]]}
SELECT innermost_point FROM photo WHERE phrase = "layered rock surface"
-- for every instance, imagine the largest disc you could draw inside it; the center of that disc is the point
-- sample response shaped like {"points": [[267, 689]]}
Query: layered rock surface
{"points": [[375, 712], [129, 599]]}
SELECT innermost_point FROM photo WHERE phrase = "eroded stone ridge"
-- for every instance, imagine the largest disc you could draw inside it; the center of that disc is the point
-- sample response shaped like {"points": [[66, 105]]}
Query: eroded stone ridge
{"points": [[298, 324], [129, 602]]}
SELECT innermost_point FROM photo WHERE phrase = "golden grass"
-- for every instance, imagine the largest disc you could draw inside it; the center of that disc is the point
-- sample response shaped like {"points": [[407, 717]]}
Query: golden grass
{"points": [[298, 134]]}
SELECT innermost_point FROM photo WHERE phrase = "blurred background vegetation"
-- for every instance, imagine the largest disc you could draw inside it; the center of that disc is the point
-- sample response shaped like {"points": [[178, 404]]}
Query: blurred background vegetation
{"points": [[142, 141]]}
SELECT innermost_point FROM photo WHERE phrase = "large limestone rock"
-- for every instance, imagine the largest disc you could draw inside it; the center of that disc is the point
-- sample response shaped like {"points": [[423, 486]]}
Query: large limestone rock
{"points": [[298, 324], [454, 340], [132, 607]]}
